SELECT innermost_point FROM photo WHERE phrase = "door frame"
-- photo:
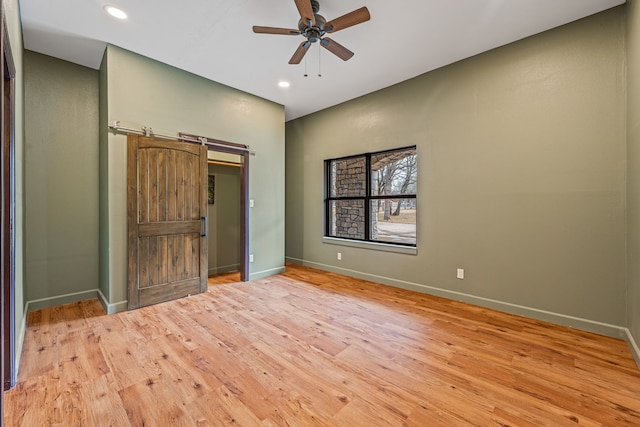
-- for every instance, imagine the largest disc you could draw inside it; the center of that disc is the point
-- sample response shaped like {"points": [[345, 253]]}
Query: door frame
{"points": [[8, 216]]}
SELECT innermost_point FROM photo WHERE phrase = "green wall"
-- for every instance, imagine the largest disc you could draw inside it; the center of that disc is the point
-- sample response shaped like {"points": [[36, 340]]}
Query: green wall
{"points": [[224, 220], [142, 92], [521, 177], [61, 181], [633, 174]]}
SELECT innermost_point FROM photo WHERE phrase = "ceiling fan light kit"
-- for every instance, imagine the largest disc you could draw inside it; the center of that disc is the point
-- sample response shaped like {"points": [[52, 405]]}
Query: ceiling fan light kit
{"points": [[313, 28]]}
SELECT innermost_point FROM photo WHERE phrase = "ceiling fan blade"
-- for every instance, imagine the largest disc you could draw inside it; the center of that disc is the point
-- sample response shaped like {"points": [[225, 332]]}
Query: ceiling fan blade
{"points": [[306, 12], [358, 16], [336, 48], [274, 30], [300, 52]]}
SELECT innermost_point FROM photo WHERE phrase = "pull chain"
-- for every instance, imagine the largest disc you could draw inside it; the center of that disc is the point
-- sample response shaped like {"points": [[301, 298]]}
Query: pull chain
{"points": [[306, 73]]}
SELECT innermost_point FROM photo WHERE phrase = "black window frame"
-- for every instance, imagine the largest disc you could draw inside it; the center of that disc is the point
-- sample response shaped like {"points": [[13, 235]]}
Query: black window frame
{"points": [[367, 199]]}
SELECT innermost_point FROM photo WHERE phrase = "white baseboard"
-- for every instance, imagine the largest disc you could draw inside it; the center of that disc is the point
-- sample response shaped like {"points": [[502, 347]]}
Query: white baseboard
{"points": [[613, 331], [61, 299], [266, 273], [111, 308], [633, 346]]}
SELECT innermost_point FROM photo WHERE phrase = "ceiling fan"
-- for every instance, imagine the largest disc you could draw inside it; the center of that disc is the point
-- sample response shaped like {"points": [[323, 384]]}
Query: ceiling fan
{"points": [[313, 27]]}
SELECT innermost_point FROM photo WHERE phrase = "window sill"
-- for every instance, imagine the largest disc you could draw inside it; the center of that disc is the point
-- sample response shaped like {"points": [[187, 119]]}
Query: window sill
{"points": [[386, 247]]}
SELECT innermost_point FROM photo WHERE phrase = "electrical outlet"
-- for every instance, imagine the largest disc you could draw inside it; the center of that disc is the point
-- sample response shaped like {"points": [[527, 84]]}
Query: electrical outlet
{"points": [[250, 257], [460, 273], [339, 256]]}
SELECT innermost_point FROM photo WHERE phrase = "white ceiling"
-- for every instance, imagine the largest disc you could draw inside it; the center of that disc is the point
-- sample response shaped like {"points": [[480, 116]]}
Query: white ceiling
{"points": [[214, 39]]}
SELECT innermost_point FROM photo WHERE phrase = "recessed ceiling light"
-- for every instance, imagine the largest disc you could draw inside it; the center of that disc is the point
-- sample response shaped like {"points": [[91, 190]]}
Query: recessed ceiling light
{"points": [[115, 12], [283, 84]]}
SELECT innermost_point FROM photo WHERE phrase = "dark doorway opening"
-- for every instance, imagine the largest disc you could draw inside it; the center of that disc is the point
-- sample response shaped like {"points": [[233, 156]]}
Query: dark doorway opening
{"points": [[242, 154]]}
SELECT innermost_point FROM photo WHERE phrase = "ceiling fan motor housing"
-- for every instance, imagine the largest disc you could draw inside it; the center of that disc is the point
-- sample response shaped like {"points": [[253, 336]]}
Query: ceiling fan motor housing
{"points": [[313, 33]]}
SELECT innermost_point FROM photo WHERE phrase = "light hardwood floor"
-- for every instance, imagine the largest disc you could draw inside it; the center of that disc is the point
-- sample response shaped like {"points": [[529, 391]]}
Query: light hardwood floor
{"points": [[309, 348]]}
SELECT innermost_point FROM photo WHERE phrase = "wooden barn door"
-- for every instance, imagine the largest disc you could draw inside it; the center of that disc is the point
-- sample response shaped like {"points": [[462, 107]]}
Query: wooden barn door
{"points": [[167, 208]]}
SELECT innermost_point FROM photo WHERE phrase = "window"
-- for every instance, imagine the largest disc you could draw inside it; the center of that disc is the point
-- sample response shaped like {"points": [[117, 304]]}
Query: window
{"points": [[372, 197]]}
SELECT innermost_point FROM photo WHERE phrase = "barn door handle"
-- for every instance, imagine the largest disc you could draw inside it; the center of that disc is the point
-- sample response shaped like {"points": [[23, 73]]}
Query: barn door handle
{"points": [[204, 226]]}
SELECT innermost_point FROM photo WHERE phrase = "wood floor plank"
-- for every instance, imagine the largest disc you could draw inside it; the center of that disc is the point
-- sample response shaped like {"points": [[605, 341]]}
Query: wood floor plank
{"points": [[106, 408], [141, 402], [310, 348]]}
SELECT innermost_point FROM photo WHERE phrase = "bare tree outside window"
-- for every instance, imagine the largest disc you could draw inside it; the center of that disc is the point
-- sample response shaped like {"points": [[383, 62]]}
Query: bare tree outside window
{"points": [[395, 174]]}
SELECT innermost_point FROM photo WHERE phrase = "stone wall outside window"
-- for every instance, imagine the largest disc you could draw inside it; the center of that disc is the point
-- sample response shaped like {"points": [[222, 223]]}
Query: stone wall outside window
{"points": [[350, 181]]}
